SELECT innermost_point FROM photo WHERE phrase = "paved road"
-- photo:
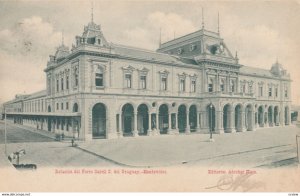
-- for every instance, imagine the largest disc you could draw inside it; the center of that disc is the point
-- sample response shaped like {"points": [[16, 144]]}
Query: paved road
{"points": [[19, 135], [264, 148], [45, 152]]}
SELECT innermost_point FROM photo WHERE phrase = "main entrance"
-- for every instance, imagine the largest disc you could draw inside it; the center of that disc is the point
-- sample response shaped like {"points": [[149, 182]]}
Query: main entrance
{"points": [[99, 121]]}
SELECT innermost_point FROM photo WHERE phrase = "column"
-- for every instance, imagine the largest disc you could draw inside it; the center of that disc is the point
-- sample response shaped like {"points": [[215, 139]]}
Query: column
{"points": [[135, 131], [253, 124], [188, 128], [157, 123], [175, 130], [120, 132], [198, 122], [149, 124], [243, 126], [170, 123], [218, 119], [204, 122], [231, 128], [267, 117], [272, 118]]}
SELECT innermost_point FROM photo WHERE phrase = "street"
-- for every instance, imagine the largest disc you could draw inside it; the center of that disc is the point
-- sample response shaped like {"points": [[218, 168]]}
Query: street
{"points": [[264, 148], [45, 152]]}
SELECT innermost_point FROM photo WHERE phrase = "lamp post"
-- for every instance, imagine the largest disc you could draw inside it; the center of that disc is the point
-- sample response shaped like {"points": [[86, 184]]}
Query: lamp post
{"points": [[211, 122]]}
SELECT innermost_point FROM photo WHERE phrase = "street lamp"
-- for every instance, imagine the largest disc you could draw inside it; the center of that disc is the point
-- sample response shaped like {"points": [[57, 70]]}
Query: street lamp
{"points": [[211, 122]]}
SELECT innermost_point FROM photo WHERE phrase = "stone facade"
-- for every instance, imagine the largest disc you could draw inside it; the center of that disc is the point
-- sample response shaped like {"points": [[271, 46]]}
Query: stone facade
{"points": [[192, 84]]}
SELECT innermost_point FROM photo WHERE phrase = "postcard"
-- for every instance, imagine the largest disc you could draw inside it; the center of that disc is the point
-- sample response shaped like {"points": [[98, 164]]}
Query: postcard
{"points": [[149, 96]]}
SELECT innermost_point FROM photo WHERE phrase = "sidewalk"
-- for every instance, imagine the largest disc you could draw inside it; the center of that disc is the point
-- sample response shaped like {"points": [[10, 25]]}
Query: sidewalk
{"points": [[168, 150]]}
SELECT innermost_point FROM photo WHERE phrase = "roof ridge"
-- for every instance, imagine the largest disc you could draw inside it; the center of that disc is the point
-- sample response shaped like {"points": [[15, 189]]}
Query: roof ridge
{"points": [[141, 49]]}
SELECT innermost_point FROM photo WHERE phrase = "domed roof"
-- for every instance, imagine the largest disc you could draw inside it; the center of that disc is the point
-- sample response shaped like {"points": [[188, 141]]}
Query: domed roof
{"points": [[277, 69]]}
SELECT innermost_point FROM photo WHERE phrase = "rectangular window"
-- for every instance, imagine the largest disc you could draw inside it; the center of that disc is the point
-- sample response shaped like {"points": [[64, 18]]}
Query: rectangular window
{"points": [[244, 88], [182, 85], [270, 91], [193, 86], [57, 106], [143, 82], [164, 83], [286, 92], [210, 87], [128, 80], [57, 85], [62, 84], [276, 92], [99, 79], [67, 82], [222, 87], [62, 106], [67, 105], [76, 76], [260, 91]]}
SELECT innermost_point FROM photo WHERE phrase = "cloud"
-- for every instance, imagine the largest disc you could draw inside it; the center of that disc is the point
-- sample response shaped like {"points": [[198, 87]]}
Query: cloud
{"points": [[147, 35], [24, 52]]}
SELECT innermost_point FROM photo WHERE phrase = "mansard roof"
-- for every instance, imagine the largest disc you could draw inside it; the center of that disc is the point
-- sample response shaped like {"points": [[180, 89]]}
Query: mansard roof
{"points": [[137, 53]]}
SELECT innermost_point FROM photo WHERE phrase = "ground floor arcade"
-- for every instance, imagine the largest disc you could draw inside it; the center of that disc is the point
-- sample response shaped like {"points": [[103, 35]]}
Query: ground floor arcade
{"points": [[161, 117], [120, 118]]}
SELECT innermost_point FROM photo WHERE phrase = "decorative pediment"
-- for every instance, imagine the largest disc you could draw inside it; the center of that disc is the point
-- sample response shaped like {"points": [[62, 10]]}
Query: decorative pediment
{"points": [[144, 70], [182, 75], [164, 72], [128, 68], [193, 76]]}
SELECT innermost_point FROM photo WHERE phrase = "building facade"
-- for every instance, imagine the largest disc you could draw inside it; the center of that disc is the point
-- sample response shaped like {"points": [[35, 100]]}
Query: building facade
{"points": [[192, 84]]}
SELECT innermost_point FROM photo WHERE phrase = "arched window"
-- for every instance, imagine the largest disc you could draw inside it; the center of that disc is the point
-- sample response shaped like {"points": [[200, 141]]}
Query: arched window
{"points": [[75, 107], [99, 77]]}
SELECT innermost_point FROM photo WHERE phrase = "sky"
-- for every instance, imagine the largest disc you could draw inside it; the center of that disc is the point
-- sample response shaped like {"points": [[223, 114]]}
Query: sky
{"points": [[30, 31]]}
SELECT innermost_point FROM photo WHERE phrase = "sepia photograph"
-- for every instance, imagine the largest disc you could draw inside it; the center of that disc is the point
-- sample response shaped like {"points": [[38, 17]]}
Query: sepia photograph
{"points": [[149, 96]]}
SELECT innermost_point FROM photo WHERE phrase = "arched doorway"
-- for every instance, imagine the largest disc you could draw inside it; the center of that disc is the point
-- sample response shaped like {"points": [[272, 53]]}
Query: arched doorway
{"points": [[248, 118], [238, 118], [260, 116], [211, 116], [286, 115], [142, 115], [128, 119], [193, 118], [181, 118], [276, 113], [163, 118], [75, 107], [270, 116], [99, 120], [227, 110]]}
